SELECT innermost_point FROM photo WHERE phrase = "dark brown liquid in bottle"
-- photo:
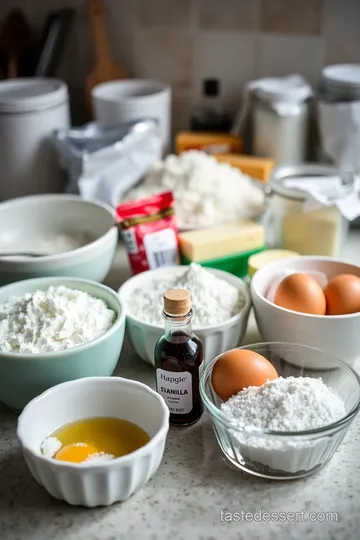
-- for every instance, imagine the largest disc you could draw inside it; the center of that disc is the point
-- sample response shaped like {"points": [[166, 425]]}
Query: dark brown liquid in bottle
{"points": [[176, 353]]}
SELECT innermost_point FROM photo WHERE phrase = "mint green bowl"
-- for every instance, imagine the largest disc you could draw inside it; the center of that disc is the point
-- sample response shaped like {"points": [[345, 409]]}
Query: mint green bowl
{"points": [[25, 376]]}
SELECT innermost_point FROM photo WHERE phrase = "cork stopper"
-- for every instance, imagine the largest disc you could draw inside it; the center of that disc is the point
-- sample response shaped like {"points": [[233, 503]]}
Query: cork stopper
{"points": [[177, 302]]}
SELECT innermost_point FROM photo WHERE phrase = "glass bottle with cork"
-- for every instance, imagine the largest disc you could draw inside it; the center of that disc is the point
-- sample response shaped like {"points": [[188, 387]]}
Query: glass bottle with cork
{"points": [[178, 358]]}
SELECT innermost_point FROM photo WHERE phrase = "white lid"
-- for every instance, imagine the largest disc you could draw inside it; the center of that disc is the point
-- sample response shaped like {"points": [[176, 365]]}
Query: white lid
{"points": [[292, 88], [31, 94], [347, 75]]}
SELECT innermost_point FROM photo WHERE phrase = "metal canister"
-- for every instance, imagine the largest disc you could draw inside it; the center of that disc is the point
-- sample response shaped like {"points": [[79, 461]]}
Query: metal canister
{"points": [[317, 232], [340, 83]]}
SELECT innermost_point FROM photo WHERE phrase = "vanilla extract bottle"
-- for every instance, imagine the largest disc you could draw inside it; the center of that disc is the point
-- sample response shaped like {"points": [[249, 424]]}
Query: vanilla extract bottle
{"points": [[178, 358]]}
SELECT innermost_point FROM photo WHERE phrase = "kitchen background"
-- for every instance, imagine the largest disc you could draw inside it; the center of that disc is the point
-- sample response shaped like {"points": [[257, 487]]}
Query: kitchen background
{"points": [[183, 42]]}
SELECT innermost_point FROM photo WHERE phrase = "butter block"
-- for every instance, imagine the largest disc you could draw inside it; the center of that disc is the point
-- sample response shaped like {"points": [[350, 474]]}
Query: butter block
{"points": [[211, 143], [256, 167], [259, 260], [206, 244]]}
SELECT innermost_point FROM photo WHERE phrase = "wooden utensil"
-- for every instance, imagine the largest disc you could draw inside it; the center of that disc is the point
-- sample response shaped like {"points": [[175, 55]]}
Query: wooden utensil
{"points": [[15, 37], [55, 34], [105, 68]]}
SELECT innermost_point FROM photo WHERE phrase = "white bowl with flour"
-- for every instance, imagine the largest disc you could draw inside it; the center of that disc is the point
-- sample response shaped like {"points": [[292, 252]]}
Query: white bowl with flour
{"points": [[220, 312], [69, 236]]}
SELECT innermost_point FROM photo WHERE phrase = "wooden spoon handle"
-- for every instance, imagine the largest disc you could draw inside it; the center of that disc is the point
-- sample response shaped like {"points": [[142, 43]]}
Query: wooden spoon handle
{"points": [[12, 68], [97, 16]]}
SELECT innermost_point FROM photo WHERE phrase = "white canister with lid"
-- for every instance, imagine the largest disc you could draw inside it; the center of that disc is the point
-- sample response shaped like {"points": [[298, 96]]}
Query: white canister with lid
{"points": [[30, 110]]}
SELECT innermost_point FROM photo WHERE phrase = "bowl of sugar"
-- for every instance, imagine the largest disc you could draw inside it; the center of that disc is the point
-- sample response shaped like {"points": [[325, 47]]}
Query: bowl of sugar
{"points": [[56, 235], [220, 301], [54, 330], [290, 426]]}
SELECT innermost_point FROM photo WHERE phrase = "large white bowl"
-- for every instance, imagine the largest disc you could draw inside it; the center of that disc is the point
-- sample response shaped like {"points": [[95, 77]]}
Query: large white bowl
{"points": [[216, 338], [97, 483], [59, 214], [337, 335]]}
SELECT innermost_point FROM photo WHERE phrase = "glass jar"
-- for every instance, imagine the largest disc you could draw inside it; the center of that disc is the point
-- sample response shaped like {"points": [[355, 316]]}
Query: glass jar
{"points": [[280, 130], [317, 232]]}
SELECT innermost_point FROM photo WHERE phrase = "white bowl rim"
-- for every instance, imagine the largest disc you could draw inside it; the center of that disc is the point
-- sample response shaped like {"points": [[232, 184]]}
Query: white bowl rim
{"points": [[252, 430], [63, 257], [120, 319], [103, 464], [244, 291], [158, 88], [264, 270]]}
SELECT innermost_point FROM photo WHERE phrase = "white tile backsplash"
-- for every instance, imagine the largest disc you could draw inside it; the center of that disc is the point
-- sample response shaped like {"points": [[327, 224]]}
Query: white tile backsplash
{"points": [[342, 31], [279, 55], [227, 56], [166, 55]]}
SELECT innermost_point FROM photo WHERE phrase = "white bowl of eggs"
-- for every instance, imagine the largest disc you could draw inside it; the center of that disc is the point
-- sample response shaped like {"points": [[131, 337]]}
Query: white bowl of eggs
{"points": [[94, 441], [314, 301]]}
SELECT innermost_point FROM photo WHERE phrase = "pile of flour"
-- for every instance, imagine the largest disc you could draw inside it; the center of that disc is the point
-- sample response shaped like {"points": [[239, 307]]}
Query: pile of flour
{"points": [[213, 299], [44, 243], [284, 404], [206, 192], [55, 319]]}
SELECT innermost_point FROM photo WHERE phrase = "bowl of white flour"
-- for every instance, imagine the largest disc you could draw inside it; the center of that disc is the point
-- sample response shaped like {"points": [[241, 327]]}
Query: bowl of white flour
{"points": [[56, 235], [54, 330], [221, 305], [289, 427]]}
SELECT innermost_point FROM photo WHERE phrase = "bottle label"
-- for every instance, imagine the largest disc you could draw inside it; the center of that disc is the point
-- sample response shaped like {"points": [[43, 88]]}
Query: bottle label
{"points": [[176, 389]]}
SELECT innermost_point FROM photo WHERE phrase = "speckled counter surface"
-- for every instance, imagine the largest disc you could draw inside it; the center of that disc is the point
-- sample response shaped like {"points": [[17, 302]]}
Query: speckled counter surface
{"points": [[194, 490]]}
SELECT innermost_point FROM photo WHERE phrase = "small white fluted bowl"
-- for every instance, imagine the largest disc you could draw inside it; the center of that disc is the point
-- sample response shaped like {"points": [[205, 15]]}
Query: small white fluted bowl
{"points": [[94, 484], [216, 338]]}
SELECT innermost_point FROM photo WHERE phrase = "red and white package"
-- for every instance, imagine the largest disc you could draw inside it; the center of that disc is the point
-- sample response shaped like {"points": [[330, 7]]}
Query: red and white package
{"points": [[149, 230]]}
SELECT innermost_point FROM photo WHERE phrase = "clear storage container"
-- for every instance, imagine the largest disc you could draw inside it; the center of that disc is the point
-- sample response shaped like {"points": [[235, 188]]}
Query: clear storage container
{"points": [[317, 232]]}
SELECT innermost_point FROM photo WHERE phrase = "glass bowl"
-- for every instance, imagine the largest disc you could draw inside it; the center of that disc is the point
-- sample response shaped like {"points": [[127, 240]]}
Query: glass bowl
{"points": [[285, 455]]}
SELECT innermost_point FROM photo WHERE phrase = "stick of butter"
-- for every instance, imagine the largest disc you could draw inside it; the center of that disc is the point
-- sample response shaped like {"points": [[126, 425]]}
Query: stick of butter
{"points": [[206, 244], [256, 167]]}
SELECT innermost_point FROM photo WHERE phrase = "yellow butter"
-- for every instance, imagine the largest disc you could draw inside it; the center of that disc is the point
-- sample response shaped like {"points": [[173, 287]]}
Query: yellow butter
{"points": [[256, 167], [259, 260], [212, 143], [206, 244]]}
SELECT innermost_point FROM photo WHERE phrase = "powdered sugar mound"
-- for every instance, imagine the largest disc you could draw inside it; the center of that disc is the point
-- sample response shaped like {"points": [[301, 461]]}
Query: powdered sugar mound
{"points": [[206, 191], [286, 404], [55, 319], [50, 446], [98, 457], [214, 300]]}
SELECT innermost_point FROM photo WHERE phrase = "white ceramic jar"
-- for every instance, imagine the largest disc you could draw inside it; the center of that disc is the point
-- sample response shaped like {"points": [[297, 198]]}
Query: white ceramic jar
{"points": [[30, 110], [132, 100]]}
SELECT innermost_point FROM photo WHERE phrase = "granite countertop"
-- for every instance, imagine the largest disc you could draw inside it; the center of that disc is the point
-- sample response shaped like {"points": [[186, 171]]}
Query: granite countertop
{"points": [[194, 489]]}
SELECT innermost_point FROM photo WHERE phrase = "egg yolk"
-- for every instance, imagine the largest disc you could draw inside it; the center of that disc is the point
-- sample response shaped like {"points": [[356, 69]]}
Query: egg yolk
{"points": [[77, 452]]}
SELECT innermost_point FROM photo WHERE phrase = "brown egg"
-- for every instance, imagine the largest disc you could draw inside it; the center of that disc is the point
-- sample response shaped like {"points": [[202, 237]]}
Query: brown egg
{"points": [[342, 295], [302, 293], [238, 369]]}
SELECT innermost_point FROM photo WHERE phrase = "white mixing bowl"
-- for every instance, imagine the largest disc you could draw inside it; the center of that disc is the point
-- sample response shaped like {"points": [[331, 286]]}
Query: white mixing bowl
{"points": [[95, 483], [216, 338], [30, 218], [337, 335]]}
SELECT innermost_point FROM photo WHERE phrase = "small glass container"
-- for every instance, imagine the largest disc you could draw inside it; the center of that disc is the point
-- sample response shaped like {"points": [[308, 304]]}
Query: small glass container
{"points": [[317, 232], [285, 455]]}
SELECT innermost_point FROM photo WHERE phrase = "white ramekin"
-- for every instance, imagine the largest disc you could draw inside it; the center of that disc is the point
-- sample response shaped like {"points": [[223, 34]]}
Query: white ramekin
{"points": [[97, 483], [216, 338]]}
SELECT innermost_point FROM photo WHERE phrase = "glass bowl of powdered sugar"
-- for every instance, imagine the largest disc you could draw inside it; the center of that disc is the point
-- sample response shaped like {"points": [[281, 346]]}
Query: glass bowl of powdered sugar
{"points": [[290, 427]]}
